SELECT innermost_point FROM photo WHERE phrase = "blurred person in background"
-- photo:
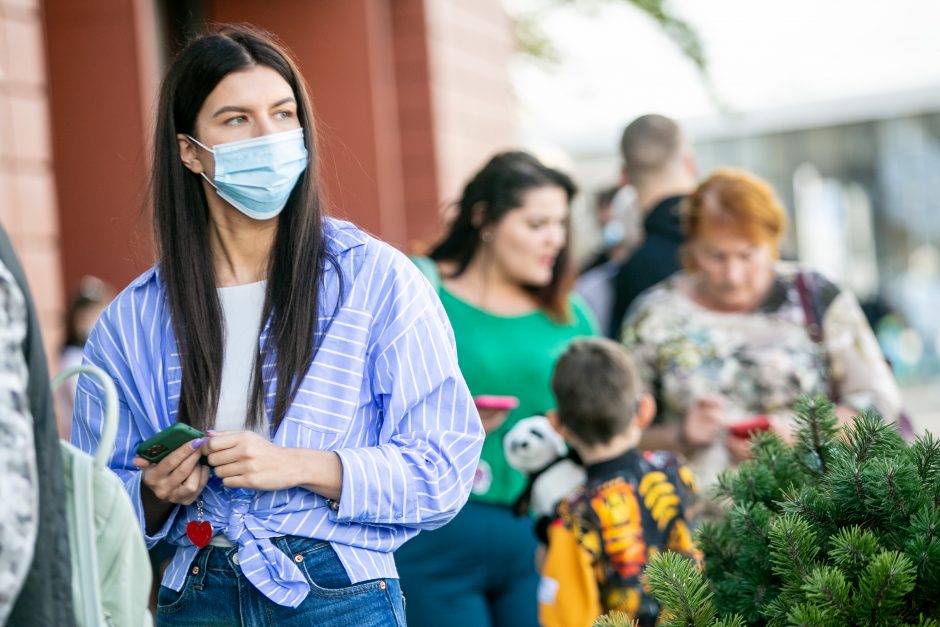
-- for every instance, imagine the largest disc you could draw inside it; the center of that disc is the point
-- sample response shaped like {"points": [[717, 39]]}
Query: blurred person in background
{"points": [[316, 359], [502, 275], [92, 297], [733, 338], [659, 164], [620, 224], [620, 229]]}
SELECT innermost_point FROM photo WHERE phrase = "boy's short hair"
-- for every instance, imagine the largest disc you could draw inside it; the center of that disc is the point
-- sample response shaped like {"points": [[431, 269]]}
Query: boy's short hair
{"points": [[596, 387]]}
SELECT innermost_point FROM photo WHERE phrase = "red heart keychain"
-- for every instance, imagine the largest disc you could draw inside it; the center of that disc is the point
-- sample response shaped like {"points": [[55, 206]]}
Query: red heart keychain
{"points": [[199, 531]]}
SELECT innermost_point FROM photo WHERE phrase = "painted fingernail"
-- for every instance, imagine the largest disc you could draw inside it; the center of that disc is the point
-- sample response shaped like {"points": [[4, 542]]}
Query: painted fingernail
{"points": [[211, 431], [196, 443]]}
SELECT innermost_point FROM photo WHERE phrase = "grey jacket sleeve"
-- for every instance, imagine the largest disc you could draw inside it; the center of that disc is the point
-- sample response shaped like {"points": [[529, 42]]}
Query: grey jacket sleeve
{"points": [[19, 491]]}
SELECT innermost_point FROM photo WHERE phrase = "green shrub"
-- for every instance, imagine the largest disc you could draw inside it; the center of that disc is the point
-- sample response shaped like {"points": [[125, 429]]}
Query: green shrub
{"points": [[836, 530]]}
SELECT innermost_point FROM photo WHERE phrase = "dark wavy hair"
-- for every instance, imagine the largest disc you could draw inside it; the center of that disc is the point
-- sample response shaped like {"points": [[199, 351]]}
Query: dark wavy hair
{"points": [[493, 192], [181, 224]]}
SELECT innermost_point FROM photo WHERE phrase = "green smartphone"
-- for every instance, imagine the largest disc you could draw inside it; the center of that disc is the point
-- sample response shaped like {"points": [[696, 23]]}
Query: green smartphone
{"points": [[159, 446]]}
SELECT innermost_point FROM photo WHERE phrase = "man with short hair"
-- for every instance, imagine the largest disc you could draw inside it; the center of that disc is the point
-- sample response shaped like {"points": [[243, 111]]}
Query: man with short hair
{"points": [[659, 164]]}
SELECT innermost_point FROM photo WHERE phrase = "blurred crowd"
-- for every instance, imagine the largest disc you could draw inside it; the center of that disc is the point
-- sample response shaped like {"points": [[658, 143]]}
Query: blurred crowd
{"points": [[649, 367]]}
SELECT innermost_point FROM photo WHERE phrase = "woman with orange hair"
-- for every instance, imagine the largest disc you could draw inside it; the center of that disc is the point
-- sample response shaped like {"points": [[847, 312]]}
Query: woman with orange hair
{"points": [[738, 336]]}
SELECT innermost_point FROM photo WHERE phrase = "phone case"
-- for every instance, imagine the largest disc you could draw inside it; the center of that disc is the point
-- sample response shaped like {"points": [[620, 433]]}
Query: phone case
{"points": [[496, 402], [162, 444], [745, 429]]}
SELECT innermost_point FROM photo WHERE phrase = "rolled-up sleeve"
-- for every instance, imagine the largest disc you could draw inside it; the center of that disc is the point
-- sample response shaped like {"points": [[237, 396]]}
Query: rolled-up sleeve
{"points": [[420, 473]]}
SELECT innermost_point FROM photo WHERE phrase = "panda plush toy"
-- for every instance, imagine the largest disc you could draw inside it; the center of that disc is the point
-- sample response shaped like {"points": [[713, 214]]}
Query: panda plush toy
{"points": [[535, 449]]}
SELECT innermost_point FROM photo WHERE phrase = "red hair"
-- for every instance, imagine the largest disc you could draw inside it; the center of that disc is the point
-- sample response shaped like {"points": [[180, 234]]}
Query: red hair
{"points": [[737, 198]]}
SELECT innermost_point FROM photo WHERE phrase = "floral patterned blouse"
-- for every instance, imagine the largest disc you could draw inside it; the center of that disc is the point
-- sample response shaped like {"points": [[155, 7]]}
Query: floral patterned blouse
{"points": [[759, 361]]}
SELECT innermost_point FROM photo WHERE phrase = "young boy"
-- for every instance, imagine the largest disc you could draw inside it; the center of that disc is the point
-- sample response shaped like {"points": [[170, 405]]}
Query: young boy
{"points": [[633, 505]]}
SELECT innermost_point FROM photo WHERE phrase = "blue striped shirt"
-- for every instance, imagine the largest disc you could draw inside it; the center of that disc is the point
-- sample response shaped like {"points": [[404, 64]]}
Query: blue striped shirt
{"points": [[384, 392]]}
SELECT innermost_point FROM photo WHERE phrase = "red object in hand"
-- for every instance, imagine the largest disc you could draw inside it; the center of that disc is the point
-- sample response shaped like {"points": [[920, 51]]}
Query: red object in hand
{"points": [[199, 532], [748, 427]]}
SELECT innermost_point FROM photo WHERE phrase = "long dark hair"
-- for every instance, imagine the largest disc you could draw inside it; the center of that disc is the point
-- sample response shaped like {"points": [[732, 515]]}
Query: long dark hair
{"points": [[181, 224], [493, 192]]}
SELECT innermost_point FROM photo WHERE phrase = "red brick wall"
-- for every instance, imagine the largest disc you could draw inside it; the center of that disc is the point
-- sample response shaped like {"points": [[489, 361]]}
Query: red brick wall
{"points": [[474, 111], [101, 59], [27, 188], [416, 121]]}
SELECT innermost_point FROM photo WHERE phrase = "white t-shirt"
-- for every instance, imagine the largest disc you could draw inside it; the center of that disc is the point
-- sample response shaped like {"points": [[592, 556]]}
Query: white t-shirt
{"points": [[242, 307]]}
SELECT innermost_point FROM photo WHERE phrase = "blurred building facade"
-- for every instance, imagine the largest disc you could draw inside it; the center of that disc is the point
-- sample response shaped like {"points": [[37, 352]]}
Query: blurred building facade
{"points": [[411, 96]]}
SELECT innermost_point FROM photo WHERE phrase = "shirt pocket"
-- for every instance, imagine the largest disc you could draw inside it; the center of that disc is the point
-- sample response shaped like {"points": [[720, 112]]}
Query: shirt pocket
{"points": [[330, 395]]}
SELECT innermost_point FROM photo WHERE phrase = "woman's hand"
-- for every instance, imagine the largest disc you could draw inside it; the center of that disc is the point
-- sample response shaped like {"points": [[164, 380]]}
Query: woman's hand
{"points": [[244, 459], [704, 421], [739, 448], [177, 478], [492, 419]]}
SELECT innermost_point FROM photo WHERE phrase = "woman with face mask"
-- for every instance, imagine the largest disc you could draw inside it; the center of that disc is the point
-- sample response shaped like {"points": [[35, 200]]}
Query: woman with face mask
{"points": [[736, 338], [316, 358], [502, 275]]}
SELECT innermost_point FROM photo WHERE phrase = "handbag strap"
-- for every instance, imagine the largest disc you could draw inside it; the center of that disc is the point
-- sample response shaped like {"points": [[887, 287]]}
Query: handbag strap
{"points": [[812, 321]]}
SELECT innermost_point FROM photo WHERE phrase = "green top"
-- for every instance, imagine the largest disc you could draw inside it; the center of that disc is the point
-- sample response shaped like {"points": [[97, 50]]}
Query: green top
{"points": [[507, 356]]}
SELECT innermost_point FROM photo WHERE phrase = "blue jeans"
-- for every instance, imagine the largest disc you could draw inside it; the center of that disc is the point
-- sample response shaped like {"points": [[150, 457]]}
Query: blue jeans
{"points": [[476, 571], [216, 593]]}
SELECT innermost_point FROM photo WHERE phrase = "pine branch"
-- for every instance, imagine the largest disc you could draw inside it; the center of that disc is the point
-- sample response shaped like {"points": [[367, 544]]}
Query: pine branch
{"points": [[828, 588], [792, 548], [926, 455], [816, 431], [869, 436], [615, 619], [851, 537], [882, 587], [807, 502], [898, 502], [852, 550], [730, 621], [923, 549], [679, 586], [809, 615]]}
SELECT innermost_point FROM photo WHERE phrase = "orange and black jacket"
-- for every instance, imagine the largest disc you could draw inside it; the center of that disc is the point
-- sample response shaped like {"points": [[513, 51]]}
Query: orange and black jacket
{"points": [[631, 508]]}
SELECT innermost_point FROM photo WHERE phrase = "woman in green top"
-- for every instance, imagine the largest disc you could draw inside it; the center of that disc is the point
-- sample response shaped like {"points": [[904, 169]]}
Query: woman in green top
{"points": [[502, 275]]}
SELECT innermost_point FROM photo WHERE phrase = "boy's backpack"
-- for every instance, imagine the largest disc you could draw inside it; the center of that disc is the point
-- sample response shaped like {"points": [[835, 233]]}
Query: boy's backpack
{"points": [[111, 573]]}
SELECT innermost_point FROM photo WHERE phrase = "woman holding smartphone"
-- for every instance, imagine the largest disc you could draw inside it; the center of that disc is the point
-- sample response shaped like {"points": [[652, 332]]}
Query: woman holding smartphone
{"points": [[731, 343], [502, 275], [315, 357]]}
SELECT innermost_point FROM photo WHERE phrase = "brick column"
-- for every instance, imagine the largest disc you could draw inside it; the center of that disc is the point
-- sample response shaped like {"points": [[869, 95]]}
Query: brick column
{"points": [[455, 99], [27, 191]]}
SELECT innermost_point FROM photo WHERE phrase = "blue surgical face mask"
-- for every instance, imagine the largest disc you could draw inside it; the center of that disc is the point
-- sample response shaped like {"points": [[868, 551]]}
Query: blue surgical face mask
{"points": [[257, 175]]}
